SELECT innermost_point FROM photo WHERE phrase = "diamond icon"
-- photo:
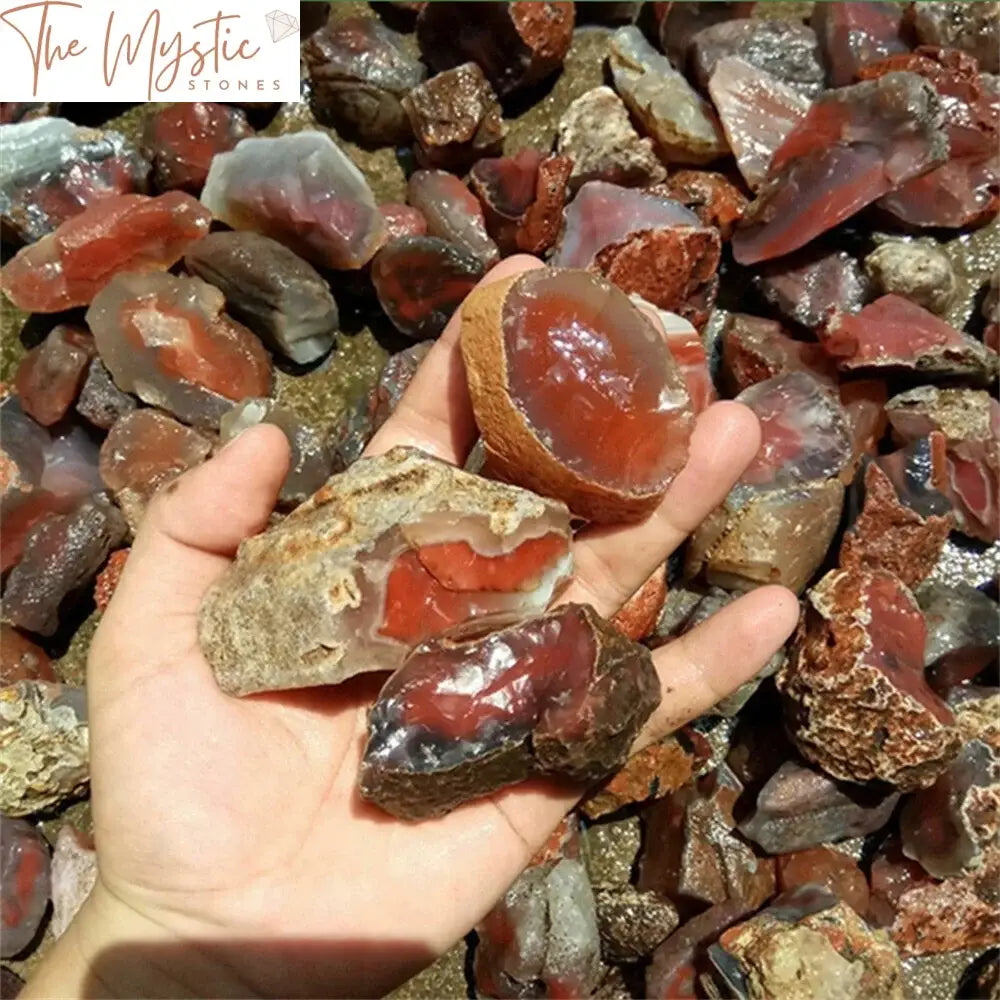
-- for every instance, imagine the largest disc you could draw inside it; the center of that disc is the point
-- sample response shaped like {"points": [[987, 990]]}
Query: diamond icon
{"points": [[281, 25]]}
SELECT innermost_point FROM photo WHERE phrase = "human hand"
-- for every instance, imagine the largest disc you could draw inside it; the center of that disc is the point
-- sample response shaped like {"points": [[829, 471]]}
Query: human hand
{"points": [[236, 855]]}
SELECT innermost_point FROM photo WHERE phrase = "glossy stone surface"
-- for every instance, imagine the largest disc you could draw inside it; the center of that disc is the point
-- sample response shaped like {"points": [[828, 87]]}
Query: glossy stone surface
{"points": [[452, 212], [395, 379], [49, 378], [130, 232], [182, 139], [74, 874], [807, 943], [669, 110], [889, 535], [167, 340], [420, 282], [812, 287], [270, 289], [854, 145], [864, 403], [757, 112], [632, 923], [402, 220], [918, 270], [392, 551], [595, 132], [549, 334], [44, 743], [852, 34], [301, 190], [62, 554], [715, 199], [893, 332], [24, 874], [974, 28], [143, 452], [787, 50], [831, 869], [101, 402], [563, 694], [359, 73], [311, 461], [799, 807], [21, 659], [963, 632], [456, 118], [53, 170], [515, 43], [688, 350], [541, 938], [856, 701]]}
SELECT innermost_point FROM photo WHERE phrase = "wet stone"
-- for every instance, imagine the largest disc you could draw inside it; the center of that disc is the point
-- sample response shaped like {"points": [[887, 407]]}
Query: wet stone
{"points": [[757, 112], [53, 170], [395, 379], [856, 700], [129, 232], [853, 34], [670, 111], [311, 461], [143, 452], [577, 693], [24, 875], [515, 43], [167, 339], [21, 659], [800, 807], [273, 291], [44, 743], [452, 212], [420, 282], [854, 145], [527, 327], [632, 923], [710, 195], [456, 118], [915, 269], [864, 403], [963, 632], [74, 874], [101, 401], [974, 28], [302, 190], [62, 554], [824, 866], [359, 72], [595, 132], [688, 350], [402, 220], [182, 139], [426, 546], [788, 50], [814, 286], [49, 378]]}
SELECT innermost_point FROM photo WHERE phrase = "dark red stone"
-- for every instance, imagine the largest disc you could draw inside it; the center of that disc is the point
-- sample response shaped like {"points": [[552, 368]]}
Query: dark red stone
{"points": [[403, 220], [49, 378], [851, 35], [864, 403], [182, 139], [24, 873], [831, 869], [21, 659], [563, 693]]}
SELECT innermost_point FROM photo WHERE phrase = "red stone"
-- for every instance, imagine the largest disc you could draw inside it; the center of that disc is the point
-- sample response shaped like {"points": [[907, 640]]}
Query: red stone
{"points": [[854, 145], [864, 403], [560, 694], [403, 220], [182, 139], [608, 444], [638, 615], [851, 35], [710, 195], [131, 232], [49, 378], [420, 282], [166, 339], [107, 579], [831, 869], [24, 873], [452, 212], [395, 379], [21, 659]]}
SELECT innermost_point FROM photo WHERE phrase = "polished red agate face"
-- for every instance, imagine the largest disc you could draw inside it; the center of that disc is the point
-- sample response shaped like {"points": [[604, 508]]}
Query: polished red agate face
{"points": [[595, 381], [130, 232], [166, 339]]}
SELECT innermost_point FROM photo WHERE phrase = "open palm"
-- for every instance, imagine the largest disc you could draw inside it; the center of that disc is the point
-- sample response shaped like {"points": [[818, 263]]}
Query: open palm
{"points": [[234, 827]]}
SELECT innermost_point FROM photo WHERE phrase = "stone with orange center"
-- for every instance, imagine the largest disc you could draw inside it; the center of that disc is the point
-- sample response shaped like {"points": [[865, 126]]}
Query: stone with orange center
{"points": [[130, 232], [182, 139], [831, 869], [166, 339], [560, 694], [387, 554], [856, 700], [21, 659], [575, 393], [143, 452], [107, 579], [49, 378]]}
